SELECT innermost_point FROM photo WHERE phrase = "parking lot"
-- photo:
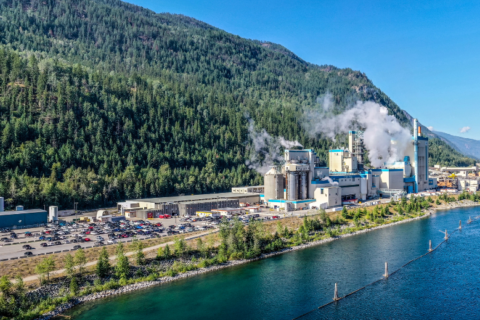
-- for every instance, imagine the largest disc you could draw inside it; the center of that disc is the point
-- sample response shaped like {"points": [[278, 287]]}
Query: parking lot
{"points": [[73, 235]]}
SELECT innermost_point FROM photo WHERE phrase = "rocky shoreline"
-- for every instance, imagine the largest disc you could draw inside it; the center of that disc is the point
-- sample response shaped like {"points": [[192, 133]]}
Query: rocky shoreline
{"points": [[147, 284]]}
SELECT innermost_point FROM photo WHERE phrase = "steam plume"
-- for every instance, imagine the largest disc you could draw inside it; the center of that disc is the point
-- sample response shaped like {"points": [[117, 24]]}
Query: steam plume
{"points": [[266, 150], [384, 138]]}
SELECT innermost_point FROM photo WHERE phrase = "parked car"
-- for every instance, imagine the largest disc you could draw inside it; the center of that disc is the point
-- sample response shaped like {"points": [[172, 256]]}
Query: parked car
{"points": [[76, 247], [57, 243], [27, 247], [28, 253], [44, 244]]}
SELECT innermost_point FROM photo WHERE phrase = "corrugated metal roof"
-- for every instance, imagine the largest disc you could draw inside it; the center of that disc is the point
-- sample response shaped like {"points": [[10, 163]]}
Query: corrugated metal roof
{"points": [[209, 196], [22, 212]]}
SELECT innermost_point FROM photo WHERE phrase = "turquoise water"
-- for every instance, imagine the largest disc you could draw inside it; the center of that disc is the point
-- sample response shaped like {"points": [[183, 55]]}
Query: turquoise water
{"points": [[440, 285]]}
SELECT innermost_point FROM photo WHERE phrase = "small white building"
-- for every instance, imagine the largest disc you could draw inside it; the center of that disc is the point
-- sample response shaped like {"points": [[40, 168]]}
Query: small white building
{"points": [[229, 211]]}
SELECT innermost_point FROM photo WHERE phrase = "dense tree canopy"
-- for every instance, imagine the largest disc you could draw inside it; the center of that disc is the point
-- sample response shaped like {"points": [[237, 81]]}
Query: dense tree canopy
{"points": [[103, 100]]}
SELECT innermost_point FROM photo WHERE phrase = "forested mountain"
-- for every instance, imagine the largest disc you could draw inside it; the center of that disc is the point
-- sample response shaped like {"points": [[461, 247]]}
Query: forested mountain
{"points": [[469, 147], [103, 100]]}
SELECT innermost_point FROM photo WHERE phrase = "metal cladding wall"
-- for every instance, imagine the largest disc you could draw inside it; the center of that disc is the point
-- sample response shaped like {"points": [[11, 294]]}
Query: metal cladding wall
{"points": [[8, 220]]}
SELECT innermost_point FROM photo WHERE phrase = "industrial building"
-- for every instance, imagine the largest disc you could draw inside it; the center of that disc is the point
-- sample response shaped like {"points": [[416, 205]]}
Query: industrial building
{"points": [[184, 205], [248, 189], [21, 218], [300, 183]]}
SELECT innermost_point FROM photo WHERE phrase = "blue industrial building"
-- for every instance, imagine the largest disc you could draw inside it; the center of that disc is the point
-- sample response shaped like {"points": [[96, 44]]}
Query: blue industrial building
{"points": [[23, 218]]}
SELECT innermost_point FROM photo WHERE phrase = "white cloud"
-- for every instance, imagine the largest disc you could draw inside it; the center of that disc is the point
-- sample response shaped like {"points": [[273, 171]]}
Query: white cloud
{"points": [[430, 128], [464, 129]]}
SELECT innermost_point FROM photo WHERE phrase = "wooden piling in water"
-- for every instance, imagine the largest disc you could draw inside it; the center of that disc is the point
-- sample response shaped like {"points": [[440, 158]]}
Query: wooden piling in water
{"points": [[460, 226], [335, 294], [430, 246], [386, 270]]}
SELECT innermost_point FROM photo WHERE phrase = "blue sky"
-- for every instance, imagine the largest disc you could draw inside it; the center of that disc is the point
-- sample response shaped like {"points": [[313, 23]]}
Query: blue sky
{"points": [[425, 55]]}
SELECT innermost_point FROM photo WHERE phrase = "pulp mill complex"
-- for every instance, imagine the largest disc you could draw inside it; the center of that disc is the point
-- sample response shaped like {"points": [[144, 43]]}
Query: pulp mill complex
{"points": [[299, 183]]}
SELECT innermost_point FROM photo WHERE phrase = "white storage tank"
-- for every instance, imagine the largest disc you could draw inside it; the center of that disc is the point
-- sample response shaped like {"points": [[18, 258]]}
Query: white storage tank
{"points": [[273, 185], [53, 213]]}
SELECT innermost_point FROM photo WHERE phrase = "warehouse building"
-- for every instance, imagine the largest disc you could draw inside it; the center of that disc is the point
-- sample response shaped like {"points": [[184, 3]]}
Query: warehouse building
{"points": [[23, 219], [184, 205], [190, 208]]}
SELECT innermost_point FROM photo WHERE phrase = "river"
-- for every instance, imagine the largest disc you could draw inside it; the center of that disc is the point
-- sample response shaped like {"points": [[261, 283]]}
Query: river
{"points": [[444, 284]]}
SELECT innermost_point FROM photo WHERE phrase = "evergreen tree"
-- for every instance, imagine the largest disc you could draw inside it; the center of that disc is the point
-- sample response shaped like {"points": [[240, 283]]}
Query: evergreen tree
{"points": [[69, 265], [103, 264], [73, 286], [80, 260], [140, 256], [122, 268]]}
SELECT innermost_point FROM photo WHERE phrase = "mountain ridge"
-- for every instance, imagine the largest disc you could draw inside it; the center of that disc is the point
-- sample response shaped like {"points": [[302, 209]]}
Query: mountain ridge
{"points": [[104, 100], [467, 146]]}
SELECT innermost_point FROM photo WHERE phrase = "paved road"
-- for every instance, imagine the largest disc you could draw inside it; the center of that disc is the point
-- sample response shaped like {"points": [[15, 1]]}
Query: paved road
{"points": [[14, 249], [92, 263]]}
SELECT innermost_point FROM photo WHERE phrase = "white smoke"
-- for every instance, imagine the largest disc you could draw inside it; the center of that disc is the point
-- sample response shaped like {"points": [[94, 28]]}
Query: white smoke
{"points": [[266, 150], [384, 138], [333, 183]]}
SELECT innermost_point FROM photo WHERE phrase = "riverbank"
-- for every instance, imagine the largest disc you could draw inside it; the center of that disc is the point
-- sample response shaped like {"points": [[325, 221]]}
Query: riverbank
{"points": [[148, 284]]}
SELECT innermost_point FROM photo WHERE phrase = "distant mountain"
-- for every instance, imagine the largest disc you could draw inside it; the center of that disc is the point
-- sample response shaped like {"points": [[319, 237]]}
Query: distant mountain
{"points": [[469, 147]]}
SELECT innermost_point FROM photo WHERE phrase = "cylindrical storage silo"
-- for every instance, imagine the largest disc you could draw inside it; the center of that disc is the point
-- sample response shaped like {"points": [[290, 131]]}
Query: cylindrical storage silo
{"points": [[279, 181], [2, 208], [273, 185], [303, 185], [292, 186], [53, 213], [19, 208]]}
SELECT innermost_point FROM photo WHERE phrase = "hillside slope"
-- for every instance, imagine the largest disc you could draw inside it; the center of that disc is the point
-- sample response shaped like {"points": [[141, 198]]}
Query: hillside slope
{"points": [[103, 100], [468, 147]]}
